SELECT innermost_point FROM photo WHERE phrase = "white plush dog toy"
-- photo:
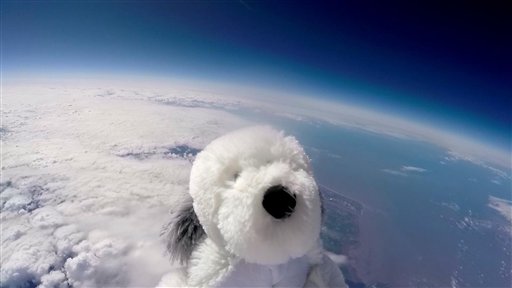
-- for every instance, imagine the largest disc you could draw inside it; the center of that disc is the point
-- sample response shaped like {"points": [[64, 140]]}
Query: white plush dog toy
{"points": [[253, 219]]}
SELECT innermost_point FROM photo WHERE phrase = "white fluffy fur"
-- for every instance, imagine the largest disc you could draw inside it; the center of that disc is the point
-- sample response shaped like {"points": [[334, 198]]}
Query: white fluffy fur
{"points": [[245, 246], [231, 210]]}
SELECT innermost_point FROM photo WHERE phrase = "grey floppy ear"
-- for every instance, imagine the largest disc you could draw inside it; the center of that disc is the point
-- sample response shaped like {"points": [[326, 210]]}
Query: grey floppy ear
{"points": [[322, 197], [183, 232]]}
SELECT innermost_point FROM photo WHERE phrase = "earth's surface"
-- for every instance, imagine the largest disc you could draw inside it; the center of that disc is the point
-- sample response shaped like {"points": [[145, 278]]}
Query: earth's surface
{"points": [[90, 171]]}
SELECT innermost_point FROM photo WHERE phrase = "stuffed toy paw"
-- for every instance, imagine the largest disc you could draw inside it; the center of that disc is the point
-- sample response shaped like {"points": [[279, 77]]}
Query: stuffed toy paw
{"points": [[253, 217]]}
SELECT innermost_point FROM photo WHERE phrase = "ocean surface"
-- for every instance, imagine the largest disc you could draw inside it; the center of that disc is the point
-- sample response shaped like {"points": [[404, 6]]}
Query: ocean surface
{"points": [[406, 212]]}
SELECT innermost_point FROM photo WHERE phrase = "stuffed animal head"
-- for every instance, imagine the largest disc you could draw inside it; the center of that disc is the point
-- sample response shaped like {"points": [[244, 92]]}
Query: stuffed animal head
{"points": [[254, 193]]}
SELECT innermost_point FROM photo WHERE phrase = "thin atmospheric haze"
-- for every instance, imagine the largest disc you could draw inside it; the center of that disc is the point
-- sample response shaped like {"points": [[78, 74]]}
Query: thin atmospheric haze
{"points": [[403, 109]]}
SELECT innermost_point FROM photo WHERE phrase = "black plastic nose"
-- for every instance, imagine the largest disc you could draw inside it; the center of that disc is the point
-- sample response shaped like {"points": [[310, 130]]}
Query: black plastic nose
{"points": [[279, 202]]}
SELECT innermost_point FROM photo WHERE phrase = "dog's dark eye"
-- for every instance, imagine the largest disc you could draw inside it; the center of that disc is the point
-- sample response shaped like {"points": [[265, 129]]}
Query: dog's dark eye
{"points": [[235, 176]]}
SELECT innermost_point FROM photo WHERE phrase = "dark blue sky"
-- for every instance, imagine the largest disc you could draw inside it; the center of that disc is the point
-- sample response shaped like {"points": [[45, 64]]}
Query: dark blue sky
{"points": [[445, 63]]}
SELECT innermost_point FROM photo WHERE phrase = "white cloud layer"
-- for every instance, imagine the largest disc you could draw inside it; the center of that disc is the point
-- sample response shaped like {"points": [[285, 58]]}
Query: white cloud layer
{"points": [[405, 171], [413, 169], [394, 172], [504, 207], [87, 183]]}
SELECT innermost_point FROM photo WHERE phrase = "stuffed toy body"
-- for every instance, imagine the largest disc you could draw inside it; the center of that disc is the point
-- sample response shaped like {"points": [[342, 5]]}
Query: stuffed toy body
{"points": [[253, 217]]}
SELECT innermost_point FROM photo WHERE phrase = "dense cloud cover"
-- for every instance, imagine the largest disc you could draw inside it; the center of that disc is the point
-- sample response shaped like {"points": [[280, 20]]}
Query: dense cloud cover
{"points": [[88, 182]]}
